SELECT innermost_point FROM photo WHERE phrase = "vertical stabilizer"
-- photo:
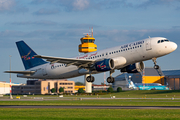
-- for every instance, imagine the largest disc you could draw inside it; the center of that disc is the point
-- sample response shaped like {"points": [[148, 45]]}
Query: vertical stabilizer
{"points": [[27, 55]]}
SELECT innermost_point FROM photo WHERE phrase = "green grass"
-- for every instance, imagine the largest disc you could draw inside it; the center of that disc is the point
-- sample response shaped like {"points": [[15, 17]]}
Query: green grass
{"points": [[74, 100], [146, 93], [104, 102], [98, 114], [124, 94], [88, 114]]}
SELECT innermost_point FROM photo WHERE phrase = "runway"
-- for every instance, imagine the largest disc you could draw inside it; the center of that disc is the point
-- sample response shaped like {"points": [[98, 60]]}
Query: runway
{"points": [[90, 107]]}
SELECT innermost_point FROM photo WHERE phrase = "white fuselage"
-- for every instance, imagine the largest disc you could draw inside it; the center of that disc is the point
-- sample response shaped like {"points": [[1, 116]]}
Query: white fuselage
{"points": [[124, 55]]}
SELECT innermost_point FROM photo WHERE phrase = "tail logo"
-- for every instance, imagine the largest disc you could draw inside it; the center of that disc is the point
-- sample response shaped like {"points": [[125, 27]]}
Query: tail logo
{"points": [[27, 57]]}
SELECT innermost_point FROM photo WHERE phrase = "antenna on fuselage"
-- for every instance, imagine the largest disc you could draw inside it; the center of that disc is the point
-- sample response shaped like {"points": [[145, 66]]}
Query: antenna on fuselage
{"points": [[149, 36]]}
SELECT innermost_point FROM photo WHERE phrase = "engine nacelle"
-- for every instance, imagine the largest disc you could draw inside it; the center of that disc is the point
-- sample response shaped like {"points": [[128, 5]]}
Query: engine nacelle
{"points": [[133, 68], [119, 62], [104, 65]]}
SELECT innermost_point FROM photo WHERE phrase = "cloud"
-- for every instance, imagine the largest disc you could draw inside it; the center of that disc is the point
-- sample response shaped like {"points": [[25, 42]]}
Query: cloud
{"points": [[176, 27], [45, 11], [79, 26], [37, 1], [56, 6], [71, 37], [149, 3], [42, 22], [6, 5], [12, 6], [81, 4]]}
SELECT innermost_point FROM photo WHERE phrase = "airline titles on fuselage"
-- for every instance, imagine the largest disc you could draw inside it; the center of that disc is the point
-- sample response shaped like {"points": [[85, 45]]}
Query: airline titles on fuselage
{"points": [[94, 55], [122, 48]]}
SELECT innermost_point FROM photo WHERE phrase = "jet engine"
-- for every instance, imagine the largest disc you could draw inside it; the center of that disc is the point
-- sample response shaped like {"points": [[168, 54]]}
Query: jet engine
{"points": [[104, 65], [133, 68]]}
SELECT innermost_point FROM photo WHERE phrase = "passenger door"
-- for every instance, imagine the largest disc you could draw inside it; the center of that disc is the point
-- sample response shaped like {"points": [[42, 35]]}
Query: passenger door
{"points": [[148, 44]]}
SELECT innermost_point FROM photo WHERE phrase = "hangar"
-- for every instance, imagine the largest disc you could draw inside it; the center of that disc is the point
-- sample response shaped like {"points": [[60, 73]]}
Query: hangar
{"points": [[170, 78], [150, 75]]}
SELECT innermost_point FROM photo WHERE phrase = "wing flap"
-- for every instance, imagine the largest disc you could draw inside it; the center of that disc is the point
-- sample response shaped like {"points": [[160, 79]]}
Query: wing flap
{"points": [[68, 61]]}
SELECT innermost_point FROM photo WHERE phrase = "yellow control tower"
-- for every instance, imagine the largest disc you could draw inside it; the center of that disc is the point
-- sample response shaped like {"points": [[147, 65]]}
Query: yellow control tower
{"points": [[87, 44]]}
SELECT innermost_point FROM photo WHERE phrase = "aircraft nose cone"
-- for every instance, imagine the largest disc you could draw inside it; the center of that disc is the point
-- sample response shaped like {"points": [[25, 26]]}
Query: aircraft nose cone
{"points": [[174, 46]]}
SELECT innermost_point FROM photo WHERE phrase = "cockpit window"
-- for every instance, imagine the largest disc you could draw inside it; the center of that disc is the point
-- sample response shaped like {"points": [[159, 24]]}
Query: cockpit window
{"points": [[166, 40], [161, 41]]}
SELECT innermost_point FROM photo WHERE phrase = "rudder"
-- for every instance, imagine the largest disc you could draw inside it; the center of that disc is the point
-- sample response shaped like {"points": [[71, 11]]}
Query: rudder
{"points": [[27, 55]]}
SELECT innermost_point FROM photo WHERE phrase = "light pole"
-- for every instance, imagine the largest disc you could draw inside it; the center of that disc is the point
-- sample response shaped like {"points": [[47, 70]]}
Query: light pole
{"points": [[10, 76]]}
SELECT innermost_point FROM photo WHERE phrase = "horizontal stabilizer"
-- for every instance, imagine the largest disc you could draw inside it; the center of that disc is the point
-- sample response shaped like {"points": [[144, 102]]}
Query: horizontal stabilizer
{"points": [[20, 72]]}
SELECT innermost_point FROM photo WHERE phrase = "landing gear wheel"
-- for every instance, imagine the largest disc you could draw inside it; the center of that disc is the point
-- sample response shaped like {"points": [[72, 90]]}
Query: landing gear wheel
{"points": [[156, 66], [155, 63], [110, 80], [90, 79]]}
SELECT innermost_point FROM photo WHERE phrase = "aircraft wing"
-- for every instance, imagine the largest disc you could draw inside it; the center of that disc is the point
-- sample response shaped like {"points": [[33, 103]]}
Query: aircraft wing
{"points": [[68, 61], [20, 72]]}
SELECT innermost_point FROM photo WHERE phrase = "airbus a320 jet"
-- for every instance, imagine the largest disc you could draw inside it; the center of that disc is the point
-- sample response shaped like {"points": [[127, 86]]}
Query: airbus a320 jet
{"points": [[126, 58]]}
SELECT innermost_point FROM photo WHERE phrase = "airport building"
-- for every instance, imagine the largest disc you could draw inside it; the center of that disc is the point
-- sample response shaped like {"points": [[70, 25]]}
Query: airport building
{"points": [[44, 87], [5, 87], [172, 79], [100, 87]]}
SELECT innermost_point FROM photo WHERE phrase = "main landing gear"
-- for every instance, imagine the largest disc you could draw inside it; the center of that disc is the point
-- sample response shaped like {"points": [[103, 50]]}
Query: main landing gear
{"points": [[155, 65], [110, 79], [90, 79]]}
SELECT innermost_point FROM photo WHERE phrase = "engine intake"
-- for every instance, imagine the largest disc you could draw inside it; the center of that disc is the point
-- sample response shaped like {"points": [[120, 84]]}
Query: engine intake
{"points": [[105, 65], [133, 68]]}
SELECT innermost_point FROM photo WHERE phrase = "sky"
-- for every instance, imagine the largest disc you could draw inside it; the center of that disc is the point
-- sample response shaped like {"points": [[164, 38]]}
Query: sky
{"points": [[54, 28]]}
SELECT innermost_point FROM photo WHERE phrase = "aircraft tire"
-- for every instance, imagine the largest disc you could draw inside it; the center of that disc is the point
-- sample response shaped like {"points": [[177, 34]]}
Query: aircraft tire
{"points": [[156, 66], [110, 79], [88, 79], [92, 79]]}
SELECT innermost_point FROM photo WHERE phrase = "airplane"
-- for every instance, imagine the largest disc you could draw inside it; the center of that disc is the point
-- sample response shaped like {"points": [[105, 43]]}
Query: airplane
{"points": [[126, 58]]}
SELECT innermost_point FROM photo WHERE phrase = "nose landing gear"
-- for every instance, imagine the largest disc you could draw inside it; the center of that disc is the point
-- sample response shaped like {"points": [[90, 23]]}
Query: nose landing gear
{"points": [[155, 65]]}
